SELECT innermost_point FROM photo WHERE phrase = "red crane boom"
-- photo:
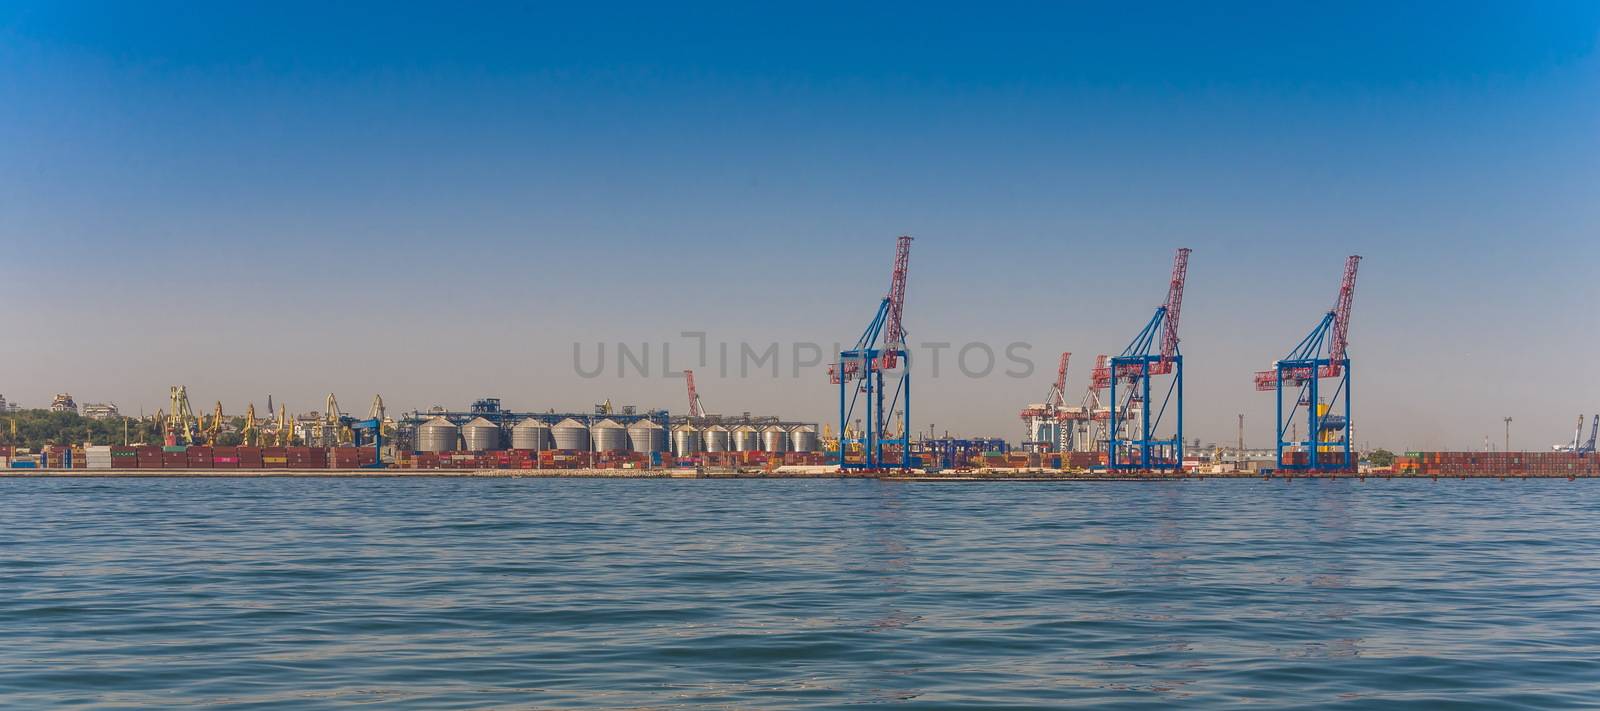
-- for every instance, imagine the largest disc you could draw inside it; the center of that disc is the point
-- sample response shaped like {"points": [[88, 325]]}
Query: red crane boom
{"points": [[1059, 391], [1341, 313], [1100, 377], [894, 335], [1169, 337], [1056, 399], [695, 409], [1267, 380]]}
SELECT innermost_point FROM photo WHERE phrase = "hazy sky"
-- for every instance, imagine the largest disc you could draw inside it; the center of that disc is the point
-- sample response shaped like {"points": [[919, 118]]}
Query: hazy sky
{"points": [[435, 205]]}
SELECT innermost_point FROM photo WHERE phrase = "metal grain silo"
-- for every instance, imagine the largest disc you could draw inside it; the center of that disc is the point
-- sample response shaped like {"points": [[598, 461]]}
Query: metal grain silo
{"points": [[481, 435], [437, 435], [647, 436], [746, 439], [803, 439], [609, 436], [774, 439], [531, 434], [685, 441], [714, 439], [570, 435]]}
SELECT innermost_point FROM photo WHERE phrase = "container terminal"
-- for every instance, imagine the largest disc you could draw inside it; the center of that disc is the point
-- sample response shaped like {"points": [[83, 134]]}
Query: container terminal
{"points": [[1127, 424]]}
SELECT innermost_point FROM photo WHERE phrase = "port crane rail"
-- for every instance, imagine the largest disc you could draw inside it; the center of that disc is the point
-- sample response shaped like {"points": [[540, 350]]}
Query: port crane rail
{"points": [[1320, 355], [868, 362], [1133, 370]]}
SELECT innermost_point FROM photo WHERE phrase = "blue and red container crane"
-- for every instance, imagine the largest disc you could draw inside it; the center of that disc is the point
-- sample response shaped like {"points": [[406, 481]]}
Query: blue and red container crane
{"points": [[1152, 354], [876, 373], [1326, 407]]}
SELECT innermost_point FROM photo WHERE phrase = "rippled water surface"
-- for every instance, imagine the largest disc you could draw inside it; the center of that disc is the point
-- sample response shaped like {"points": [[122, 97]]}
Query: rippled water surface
{"points": [[531, 593]]}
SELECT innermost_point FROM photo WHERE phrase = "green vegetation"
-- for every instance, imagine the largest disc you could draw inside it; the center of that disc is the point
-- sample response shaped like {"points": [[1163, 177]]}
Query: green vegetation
{"points": [[32, 429], [1381, 458]]}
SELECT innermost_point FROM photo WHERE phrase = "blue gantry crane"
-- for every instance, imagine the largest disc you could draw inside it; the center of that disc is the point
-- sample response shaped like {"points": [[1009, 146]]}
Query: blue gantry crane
{"points": [[1327, 413], [1133, 370], [878, 376]]}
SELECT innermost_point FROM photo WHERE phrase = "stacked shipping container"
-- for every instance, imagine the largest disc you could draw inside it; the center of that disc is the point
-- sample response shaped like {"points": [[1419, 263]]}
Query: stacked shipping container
{"points": [[200, 457], [1553, 464]]}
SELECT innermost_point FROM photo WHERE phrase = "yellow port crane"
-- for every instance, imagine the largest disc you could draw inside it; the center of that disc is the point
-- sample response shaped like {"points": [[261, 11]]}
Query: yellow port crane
{"points": [[214, 430], [331, 431], [285, 434], [248, 435], [831, 443], [377, 414], [181, 421]]}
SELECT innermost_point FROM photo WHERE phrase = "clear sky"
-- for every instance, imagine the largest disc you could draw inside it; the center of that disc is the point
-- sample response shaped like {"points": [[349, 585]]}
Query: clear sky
{"points": [[436, 203]]}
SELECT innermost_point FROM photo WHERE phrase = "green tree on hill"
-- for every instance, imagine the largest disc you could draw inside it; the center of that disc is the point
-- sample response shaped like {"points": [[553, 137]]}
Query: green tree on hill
{"points": [[1381, 458], [38, 428]]}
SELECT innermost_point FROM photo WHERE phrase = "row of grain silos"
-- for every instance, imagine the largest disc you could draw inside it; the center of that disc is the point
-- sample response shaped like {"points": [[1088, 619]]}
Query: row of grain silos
{"points": [[688, 440], [479, 435]]}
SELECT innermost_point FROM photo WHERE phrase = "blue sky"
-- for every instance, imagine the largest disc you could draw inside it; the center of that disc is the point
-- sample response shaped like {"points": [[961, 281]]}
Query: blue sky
{"points": [[435, 203]]}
